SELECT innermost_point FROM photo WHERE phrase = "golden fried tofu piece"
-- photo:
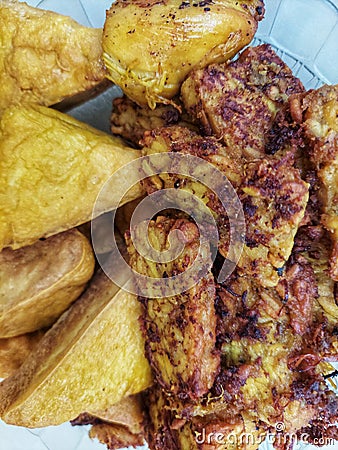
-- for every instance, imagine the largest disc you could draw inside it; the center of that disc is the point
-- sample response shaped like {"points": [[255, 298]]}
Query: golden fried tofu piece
{"points": [[89, 360], [45, 57], [39, 282], [318, 113], [130, 121], [271, 191], [180, 330], [239, 101], [52, 168], [14, 350], [149, 48]]}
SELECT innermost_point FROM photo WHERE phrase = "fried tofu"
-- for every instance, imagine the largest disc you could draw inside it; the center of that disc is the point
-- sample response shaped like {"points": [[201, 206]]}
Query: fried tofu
{"points": [[52, 171], [14, 350], [90, 359], [238, 101], [39, 282], [46, 57]]}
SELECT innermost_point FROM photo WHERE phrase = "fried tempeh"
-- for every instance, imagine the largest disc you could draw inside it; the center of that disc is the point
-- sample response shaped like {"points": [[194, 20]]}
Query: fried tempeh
{"points": [[46, 57], [39, 282], [271, 190], [317, 111], [89, 360], [130, 121], [52, 171], [180, 330], [238, 102]]}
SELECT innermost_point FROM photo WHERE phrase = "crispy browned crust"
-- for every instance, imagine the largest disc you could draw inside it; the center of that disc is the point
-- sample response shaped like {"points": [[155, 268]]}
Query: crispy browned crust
{"points": [[272, 342], [274, 198], [115, 436], [181, 330], [130, 120], [272, 193], [316, 111], [238, 102]]}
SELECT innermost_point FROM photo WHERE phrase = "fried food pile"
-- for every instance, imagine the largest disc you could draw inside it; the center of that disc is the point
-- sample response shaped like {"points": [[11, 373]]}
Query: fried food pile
{"points": [[227, 361], [232, 359]]}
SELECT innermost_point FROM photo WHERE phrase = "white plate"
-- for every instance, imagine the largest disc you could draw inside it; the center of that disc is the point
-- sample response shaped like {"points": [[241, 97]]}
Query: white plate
{"points": [[303, 32]]}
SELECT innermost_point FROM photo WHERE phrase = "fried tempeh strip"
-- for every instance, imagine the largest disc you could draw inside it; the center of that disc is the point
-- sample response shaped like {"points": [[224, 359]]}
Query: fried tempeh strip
{"points": [[52, 171], [45, 57], [271, 190], [180, 330], [130, 121], [317, 111], [39, 282], [238, 102]]}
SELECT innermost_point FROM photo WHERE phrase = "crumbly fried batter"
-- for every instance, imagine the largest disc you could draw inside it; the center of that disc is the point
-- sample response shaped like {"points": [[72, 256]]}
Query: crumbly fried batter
{"points": [[238, 102], [274, 199], [115, 436], [272, 344], [45, 57], [180, 330], [318, 113], [130, 120], [272, 193]]}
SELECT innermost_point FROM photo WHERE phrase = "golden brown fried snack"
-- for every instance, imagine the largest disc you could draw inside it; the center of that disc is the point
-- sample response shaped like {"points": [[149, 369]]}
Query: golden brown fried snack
{"points": [[271, 190], [45, 57], [318, 113], [52, 168], [116, 436], [13, 351], [181, 329], [150, 47], [39, 282], [238, 102], [121, 425], [130, 121], [127, 413], [89, 360]]}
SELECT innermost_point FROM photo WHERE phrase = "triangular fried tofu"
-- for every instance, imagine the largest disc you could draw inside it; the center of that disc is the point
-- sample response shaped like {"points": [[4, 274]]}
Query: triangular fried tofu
{"points": [[89, 360], [46, 57], [52, 171]]}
